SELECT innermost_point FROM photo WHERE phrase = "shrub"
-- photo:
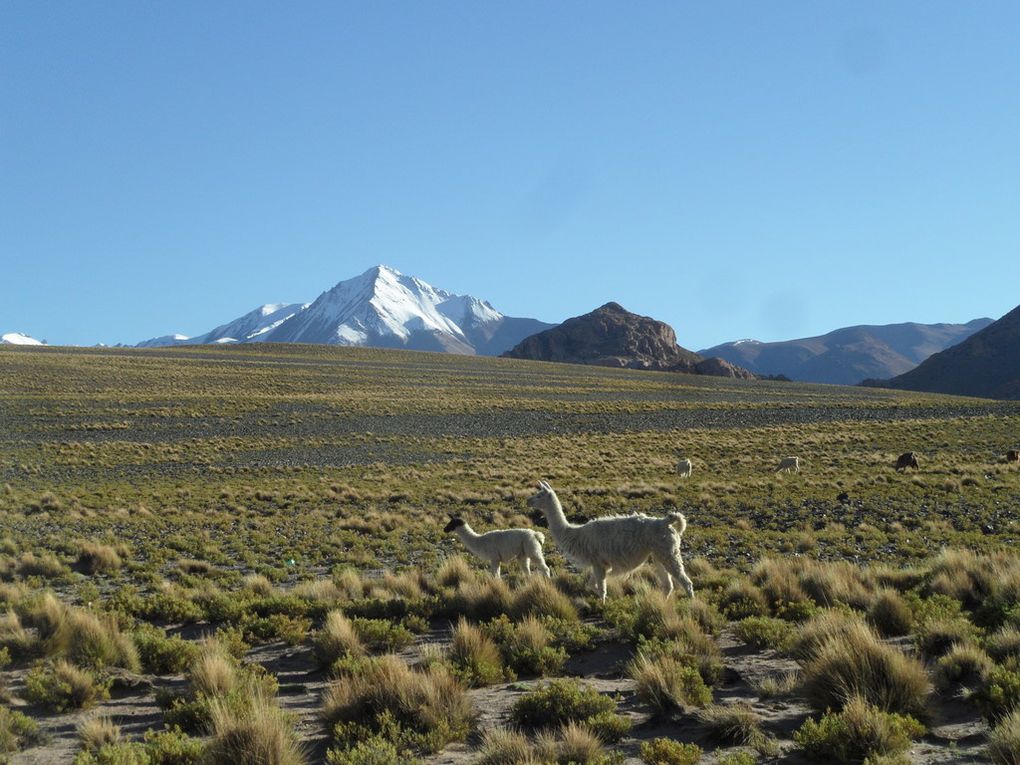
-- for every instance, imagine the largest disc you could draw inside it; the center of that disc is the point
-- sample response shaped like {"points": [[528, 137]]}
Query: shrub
{"points": [[126, 753], [890, 614], [937, 636], [736, 724], [1003, 644], [382, 635], [97, 732], [766, 632], [256, 732], [966, 664], [47, 566], [61, 686], [540, 597], [475, 658], [741, 599], [506, 747], [859, 664], [161, 654], [290, 629], [480, 599], [999, 695], [172, 747], [337, 639], [93, 640], [1004, 740], [419, 710], [574, 745], [667, 683], [17, 730], [96, 558], [14, 637], [564, 701], [526, 646], [822, 627], [372, 751], [858, 732], [666, 751]]}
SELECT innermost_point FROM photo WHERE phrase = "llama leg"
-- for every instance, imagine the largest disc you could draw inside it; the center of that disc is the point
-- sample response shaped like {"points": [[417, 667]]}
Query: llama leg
{"points": [[527, 565], [598, 578], [664, 579], [540, 562], [494, 568], [675, 567]]}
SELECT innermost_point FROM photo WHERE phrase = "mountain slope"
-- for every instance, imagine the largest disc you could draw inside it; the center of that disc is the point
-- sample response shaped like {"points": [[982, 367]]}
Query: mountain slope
{"points": [[19, 338], [379, 308], [849, 355], [613, 336], [986, 364]]}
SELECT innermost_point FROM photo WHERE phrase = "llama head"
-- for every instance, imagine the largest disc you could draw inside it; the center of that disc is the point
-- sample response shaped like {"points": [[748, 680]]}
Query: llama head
{"points": [[541, 502], [454, 524]]}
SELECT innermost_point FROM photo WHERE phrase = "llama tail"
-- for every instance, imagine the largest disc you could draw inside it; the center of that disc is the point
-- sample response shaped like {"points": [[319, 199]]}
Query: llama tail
{"points": [[675, 517]]}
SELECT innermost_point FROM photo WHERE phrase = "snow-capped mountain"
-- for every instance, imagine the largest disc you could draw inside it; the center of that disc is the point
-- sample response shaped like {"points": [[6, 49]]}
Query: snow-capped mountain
{"points": [[379, 308], [19, 338]]}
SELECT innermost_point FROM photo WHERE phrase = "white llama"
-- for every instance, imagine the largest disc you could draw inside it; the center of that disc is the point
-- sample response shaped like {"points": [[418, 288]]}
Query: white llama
{"points": [[502, 545], [618, 543]]}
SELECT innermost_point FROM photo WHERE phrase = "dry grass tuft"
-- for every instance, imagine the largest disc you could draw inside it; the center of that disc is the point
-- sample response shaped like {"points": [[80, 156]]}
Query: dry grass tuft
{"points": [[1004, 740], [857, 663], [96, 732], [258, 732], [336, 640]]}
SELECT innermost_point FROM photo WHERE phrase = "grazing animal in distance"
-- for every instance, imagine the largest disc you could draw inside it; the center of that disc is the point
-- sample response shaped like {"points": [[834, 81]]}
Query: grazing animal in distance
{"points": [[788, 464], [843, 498], [1013, 455], [618, 543], [907, 459], [502, 545], [684, 467]]}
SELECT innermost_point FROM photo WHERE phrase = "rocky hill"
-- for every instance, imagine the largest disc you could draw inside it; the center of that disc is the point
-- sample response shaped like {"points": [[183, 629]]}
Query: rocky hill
{"points": [[612, 336], [986, 364], [849, 355]]}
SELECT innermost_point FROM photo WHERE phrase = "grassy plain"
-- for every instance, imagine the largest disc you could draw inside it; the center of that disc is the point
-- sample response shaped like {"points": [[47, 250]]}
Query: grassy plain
{"points": [[203, 489]]}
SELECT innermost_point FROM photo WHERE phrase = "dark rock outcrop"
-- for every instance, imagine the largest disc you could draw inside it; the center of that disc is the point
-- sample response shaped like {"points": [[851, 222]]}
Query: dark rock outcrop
{"points": [[614, 337]]}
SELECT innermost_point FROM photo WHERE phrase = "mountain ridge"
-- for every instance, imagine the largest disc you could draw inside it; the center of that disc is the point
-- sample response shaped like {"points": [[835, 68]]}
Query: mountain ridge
{"points": [[848, 355], [986, 364]]}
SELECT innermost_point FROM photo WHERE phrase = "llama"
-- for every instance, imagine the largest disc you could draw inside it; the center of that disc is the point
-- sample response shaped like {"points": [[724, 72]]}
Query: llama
{"points": [[788, 464], [907, 459], [683, 468], [502, 545], [618, 543]]}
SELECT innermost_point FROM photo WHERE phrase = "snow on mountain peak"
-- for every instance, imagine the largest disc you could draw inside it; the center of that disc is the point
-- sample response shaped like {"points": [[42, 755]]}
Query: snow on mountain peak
{"points": [[19, 338]]}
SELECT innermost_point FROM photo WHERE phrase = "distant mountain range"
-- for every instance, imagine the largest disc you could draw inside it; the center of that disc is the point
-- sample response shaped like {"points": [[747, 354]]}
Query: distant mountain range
{"points": [[613, 336], [381, 308], [849, 355], [986, 364]]}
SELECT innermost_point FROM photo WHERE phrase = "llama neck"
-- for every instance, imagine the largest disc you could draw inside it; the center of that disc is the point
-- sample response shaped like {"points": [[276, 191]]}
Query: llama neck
{"points": [[554, 514], [466, 535]]}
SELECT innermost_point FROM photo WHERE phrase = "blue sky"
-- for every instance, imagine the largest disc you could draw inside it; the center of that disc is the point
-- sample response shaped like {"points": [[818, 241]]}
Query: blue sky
{"points": [[767, 170]]}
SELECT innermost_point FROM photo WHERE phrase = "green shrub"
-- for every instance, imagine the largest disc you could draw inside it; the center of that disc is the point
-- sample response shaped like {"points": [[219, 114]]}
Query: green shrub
{"points": [[858, 732], [999, 695], [665, 751], [161, 654], [526, 646], [564, 701], [742, 599], [17, 730], [667, 683], [172, 747], [62, 687], [264, 629], [382, 635], [416, 710], [125, 753], [372, 751], [765, 632]]}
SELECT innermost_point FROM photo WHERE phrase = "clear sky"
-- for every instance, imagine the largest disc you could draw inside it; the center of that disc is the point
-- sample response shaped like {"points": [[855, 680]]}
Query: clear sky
{"points": [[737, 169]]}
